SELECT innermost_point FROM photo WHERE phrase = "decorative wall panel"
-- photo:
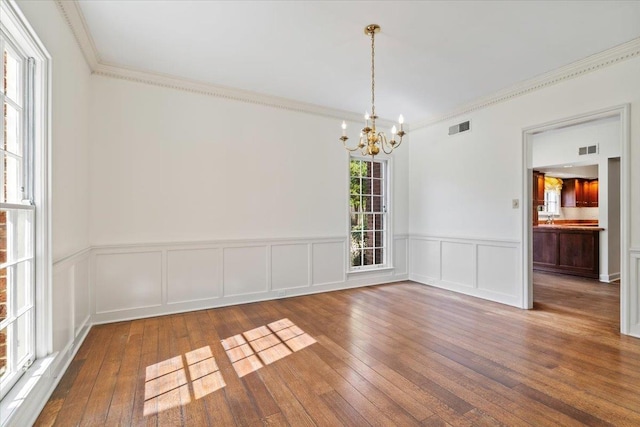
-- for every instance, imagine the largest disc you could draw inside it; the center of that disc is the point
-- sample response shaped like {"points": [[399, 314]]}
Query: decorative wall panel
{"points": [[128, 280], [289, 266], [193, 274]]}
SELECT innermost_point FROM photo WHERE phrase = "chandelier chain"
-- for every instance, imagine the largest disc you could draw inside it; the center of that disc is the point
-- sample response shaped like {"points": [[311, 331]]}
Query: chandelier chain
{"points": [[373, 76]]}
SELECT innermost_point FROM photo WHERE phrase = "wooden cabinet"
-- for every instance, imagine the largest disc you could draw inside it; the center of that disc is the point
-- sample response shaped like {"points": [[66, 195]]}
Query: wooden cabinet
{"points": [[592, 199], [537, 194], [579, 193], [567, 250]]}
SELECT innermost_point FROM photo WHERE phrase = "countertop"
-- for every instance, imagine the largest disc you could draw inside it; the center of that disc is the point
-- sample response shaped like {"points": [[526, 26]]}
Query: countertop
{"points": [[570, 227]]}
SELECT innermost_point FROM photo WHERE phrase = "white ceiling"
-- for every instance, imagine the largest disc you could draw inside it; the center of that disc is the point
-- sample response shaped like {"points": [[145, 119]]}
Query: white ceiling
{"points": [[571, 171], [431, 57]]}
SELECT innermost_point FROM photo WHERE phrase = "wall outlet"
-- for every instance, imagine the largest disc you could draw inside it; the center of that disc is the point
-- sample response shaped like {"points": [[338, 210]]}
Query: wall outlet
{"points": [[515, 203], [281, 294]]}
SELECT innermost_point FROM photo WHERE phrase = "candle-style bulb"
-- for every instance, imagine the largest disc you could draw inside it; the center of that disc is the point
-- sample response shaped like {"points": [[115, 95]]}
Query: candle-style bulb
{"points": [[401, 119], [394, 130], [366, 115], [344, 125]]}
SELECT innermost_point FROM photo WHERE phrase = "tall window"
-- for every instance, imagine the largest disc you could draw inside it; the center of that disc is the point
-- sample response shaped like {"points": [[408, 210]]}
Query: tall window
{"points": [[17, 213], [368, 206]]}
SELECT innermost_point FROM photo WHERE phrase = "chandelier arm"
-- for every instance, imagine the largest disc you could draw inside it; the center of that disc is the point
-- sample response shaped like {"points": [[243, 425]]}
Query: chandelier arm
{"points": [[344, 142], [371, 141], [385, 143]]}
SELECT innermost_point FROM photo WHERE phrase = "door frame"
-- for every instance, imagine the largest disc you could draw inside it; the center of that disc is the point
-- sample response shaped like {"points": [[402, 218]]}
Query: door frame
{"points": [[622, 113]]}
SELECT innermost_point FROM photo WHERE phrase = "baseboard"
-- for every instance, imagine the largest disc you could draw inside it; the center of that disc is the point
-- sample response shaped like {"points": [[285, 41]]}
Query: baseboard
{"points": [[608, 278], [466, 290]]}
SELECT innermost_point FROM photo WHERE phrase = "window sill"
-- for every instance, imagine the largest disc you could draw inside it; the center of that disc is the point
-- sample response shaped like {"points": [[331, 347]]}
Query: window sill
{"points": [[20, 400], [370, 270]]}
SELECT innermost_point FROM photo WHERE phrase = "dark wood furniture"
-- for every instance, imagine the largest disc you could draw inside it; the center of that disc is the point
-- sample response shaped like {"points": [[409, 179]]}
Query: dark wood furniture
{"points": [[537, 194], [568, 250], [579, 193]]}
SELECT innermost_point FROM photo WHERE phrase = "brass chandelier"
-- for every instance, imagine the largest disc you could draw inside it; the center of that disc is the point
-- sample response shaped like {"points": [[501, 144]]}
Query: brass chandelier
{"points": [[371, 141]]}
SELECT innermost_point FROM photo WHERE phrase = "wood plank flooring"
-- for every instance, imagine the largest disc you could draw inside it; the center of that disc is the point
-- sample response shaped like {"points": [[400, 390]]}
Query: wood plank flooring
{"points": [[400, 354]]}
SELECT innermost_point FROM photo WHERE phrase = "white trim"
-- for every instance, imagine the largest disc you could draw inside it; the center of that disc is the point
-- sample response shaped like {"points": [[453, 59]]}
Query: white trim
{"points": [[205, 244], [628, 307], [73, 17], [389, 203], [608, 278], [17, 27], [473, 287], [339, 281], [72, 257], [476, 240], [622, 52]]}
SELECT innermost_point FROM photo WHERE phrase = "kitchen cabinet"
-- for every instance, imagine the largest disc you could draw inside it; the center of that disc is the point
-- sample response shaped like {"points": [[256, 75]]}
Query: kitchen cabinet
{"points": [[567, 250], [579, 193], [592, 199], [537, 194]]}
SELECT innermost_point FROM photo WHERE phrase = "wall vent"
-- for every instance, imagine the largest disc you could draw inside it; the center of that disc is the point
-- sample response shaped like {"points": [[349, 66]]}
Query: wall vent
{"points": [[591, 149], [460, 127]]}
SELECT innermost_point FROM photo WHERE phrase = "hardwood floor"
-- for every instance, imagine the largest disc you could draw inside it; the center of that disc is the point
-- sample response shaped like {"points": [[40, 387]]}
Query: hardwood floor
{"points": [[399, 354]]}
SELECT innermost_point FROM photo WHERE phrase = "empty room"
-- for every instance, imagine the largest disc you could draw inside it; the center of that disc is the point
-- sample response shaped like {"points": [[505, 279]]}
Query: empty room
{"points": [[319, 213]]}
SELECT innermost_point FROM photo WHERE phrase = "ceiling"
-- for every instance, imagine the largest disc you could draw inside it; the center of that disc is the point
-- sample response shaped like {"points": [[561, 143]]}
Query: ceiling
{"points": [[571, 171], [431, 57]]}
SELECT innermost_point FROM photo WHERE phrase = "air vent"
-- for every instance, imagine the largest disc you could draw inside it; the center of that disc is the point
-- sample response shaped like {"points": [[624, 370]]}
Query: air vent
{"points": [[591, 149], [460, 127]]}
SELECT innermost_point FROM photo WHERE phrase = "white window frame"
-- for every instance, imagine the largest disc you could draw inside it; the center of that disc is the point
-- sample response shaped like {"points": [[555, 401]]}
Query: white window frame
{"points": [[15, 28], [546, 207], [388, 221]]}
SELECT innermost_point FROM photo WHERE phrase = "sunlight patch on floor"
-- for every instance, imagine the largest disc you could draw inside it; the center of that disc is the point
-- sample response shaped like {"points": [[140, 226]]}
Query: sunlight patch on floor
{"points": [[169, 384], [251, 350]]}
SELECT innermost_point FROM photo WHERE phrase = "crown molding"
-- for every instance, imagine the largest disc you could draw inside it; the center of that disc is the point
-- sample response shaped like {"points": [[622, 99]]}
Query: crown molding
{"points": [[201, 88], [628, 50], [72, 14], [70, 10]]}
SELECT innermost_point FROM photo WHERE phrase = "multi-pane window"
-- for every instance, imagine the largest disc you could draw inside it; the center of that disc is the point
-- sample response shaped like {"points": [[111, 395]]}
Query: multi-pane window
{"points": [[368, 208], [17, 216]]}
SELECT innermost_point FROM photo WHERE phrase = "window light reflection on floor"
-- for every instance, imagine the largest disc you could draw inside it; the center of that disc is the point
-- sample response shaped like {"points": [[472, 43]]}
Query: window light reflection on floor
{"points": [[251, 350], [168, 384]]}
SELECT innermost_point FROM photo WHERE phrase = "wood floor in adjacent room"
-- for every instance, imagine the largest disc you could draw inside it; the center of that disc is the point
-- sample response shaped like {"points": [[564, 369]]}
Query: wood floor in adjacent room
{"points": [[400, 354]]}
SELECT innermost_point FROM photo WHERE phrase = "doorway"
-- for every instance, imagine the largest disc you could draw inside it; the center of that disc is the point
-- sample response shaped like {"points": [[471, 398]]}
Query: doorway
{"points": [[620, 228]]}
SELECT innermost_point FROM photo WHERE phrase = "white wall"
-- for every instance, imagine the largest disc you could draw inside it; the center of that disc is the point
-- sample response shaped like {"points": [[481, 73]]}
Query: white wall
{"points": [[461, 187], [69, 197], [200, 201], [170, 166]]}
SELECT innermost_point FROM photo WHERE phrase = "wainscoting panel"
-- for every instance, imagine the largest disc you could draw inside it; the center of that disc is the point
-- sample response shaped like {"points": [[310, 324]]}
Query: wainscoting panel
{"points": [[193, 275], [498, 268], [71, 303], [425, 259], [136, 281], [127, 280], [63, 307], [81, 300], [458, 263], [483, 268], [245, 270], [329, 262], [634, 292], [289, 266], [400, 255]]}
